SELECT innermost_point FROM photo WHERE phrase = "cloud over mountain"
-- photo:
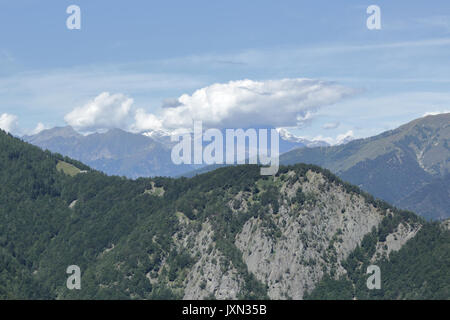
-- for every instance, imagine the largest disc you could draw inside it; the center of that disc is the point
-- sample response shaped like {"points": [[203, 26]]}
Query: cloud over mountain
{"points": [[236, 104], [103, 112], [244, 104], [39, 127], [8, 122]]}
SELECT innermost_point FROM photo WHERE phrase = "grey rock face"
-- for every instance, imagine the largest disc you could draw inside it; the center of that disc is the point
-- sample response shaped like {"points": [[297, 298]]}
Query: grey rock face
{"points": [[311, 243]]}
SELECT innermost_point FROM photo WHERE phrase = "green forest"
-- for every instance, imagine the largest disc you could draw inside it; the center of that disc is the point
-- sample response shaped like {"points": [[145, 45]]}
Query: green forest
{"points": [[56, 212]]}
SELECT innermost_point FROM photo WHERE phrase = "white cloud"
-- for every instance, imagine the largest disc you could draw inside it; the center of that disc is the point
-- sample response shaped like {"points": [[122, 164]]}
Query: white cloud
{"points": [[246, 104], [345, 137], [8, 122], [331, 125], [145, 121], [104, 112], [40, 127], [56, 92]]}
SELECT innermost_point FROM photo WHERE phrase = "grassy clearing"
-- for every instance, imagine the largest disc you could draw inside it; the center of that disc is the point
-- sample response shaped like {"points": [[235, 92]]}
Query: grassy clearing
{"points": [[67, 168]]}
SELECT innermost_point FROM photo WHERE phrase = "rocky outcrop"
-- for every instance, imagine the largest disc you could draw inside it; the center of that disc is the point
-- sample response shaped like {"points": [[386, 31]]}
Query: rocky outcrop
{"points": [[290, 247], [309, 241], [208, 278], [395, 240]]}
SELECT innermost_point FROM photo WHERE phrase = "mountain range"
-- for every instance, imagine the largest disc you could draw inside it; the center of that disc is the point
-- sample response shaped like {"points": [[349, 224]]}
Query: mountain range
{"points": [[227, 234], [408, 167], [118, 152], [115, 152]]}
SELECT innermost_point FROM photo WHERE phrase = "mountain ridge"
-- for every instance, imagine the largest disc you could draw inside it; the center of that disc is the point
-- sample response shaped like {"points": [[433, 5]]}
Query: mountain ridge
{"points": [[226, 234], [119, 152], [415, 157], [115, 152], [392, 165]]}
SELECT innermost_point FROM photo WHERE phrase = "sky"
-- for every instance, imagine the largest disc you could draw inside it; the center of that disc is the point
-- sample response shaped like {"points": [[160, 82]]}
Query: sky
{"points": [[312, 67]]}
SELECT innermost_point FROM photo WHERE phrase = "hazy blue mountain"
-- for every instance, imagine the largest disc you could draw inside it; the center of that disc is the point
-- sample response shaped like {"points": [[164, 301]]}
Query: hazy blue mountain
{"points": [[396, 166], [432, 200], [117, 152]]}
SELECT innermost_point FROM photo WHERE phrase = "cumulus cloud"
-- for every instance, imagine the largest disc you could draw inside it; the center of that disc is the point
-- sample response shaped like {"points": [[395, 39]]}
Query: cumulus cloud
{"points": [[40, 127], [236, 104], [331, 125], [8, 122], [145, 121], [246, 104], [345, 137], [106, 111]]}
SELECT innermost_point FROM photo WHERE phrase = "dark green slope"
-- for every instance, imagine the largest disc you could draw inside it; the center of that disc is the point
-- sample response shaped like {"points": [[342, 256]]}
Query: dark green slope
{"points": [[40, 235], [31, 214], [419, 270], [389, 176], [432, 200]]}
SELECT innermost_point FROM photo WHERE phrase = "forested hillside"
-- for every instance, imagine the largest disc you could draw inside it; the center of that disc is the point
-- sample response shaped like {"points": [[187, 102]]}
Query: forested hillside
{"points": [[226, 234], [418, 271]]}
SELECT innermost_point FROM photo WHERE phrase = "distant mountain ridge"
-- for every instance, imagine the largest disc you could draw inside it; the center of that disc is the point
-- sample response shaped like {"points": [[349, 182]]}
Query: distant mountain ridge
{"points": [[400, 166], [393, 165], [408, 166], [118, 152], [115, 152]]}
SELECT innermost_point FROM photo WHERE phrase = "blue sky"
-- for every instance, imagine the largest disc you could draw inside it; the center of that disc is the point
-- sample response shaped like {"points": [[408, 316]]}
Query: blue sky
{"points": [[149, 51]]}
